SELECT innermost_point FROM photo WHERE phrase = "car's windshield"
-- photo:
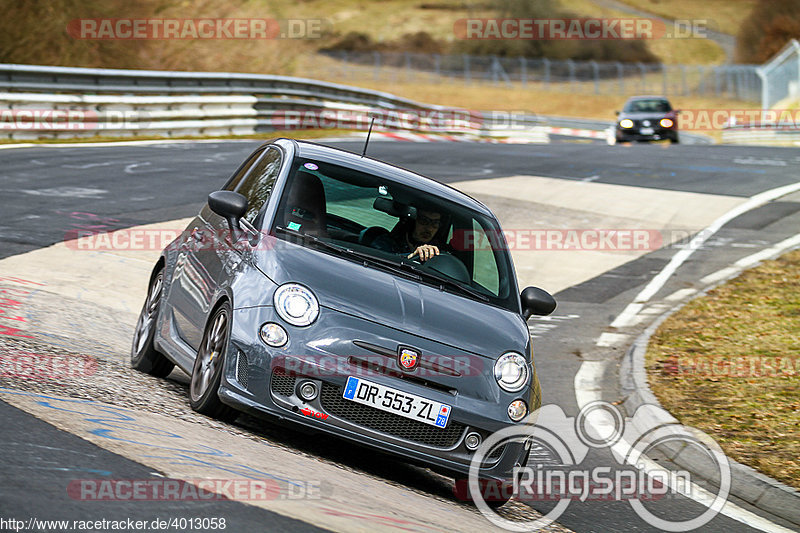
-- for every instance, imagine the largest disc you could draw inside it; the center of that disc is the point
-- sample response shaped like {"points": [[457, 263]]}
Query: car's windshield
{"points": [[376, 217], [648, 106]]}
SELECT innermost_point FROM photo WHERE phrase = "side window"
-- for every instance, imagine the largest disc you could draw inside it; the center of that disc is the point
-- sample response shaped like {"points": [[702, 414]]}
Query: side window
{"points": [[484, 271], [242, 172], [259, 181]]}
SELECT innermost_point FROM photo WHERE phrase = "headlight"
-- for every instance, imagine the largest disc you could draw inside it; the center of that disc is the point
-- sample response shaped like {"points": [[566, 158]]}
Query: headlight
{"points": [[511, 372], [626, 123], [666, 123], [295, 304]]}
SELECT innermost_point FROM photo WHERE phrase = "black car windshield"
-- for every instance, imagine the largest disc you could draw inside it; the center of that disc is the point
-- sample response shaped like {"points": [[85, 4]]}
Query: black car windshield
{"points": [[375, 217], [648, 106]]}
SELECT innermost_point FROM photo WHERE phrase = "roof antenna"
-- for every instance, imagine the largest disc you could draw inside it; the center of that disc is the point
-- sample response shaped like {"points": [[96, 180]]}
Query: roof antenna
{"points": [[366, 143]]}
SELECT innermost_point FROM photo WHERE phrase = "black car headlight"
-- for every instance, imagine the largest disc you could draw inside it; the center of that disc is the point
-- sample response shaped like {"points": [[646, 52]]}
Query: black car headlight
{"points": [[296, 304], [511, 372]]}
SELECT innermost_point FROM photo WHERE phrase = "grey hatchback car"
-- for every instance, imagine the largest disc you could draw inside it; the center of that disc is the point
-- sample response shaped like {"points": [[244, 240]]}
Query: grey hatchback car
{"points": [[292, 295]]}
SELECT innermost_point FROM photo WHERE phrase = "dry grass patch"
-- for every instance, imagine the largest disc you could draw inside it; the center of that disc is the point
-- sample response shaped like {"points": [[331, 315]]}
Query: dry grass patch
{"points": [[724, 15], [728, 363]]}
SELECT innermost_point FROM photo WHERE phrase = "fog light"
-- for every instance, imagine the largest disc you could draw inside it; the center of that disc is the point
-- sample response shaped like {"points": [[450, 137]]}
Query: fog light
{"points": [[472, 441], [273, 334], [308, 390], [517, 410]]}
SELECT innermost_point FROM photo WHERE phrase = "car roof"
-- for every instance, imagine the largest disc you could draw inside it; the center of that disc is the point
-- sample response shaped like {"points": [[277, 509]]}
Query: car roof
{"points": [[338, 156]]}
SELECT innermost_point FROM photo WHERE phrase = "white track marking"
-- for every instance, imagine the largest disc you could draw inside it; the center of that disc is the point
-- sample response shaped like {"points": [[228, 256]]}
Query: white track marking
{"points": [[588, 388], [627, 316]]}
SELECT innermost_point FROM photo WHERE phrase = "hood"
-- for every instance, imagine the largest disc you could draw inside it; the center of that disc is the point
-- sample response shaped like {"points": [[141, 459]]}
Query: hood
{"points": [[397, 302]]}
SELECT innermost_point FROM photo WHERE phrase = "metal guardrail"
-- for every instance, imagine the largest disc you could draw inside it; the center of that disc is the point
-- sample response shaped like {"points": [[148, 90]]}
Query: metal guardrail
{"points": [[75, 102]]}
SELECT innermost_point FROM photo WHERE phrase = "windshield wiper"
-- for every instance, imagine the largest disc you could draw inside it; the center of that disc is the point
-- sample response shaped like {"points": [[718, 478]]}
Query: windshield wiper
{"points": [[445, 281], [341, 250]]}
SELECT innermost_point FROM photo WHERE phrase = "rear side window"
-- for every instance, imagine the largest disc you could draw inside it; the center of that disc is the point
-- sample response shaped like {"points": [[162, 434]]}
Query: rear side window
{"points": [[259, 181]]}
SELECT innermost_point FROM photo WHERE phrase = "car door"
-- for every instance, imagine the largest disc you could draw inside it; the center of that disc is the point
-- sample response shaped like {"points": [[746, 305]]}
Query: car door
{"points": [[212, 252]]}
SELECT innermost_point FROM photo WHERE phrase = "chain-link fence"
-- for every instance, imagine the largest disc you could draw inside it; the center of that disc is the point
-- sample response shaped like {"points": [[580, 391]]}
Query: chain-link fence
{"points": [[781, 76], [732, 81]]}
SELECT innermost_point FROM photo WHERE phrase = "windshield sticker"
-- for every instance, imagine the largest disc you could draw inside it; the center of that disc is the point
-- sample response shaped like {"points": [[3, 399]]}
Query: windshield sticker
{"points": [[311, 166], [293, 226]]}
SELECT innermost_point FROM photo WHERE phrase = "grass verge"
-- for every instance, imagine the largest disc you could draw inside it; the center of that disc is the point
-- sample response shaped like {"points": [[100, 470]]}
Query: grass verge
{"points": [[728, 363], [723, 15]]}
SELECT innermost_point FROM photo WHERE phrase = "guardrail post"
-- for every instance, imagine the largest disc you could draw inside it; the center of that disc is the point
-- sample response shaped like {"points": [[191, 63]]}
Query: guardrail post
{"points": [[523, 71], [546, 72], [596, 73], [408, 67], [376, 57], [621, 77], [664, 80], [643, 80], [571, 65], [437, 65], [685, 87], [467, 74], [701, 83]]}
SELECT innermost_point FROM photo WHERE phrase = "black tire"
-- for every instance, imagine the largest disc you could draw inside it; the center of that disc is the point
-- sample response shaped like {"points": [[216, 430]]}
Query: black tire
{"points": [[675, 140], [208, 366], [144, 356]]}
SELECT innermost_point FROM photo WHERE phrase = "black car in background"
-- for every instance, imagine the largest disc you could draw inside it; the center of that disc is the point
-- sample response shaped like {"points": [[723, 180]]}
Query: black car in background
{"points": [[280, 300], [647, 118]]}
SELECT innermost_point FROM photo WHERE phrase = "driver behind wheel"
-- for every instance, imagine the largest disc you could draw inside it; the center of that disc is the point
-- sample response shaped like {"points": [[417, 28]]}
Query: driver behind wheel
{"points": [[416, 237]]}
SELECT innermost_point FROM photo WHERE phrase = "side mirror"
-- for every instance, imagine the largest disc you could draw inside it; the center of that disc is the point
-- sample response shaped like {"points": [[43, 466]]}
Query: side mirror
{"points": [[536, 301], [229, 205], [616, 113]]}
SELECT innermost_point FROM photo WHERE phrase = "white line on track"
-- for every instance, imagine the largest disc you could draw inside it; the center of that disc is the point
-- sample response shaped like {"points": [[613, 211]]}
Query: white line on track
{"points": [[588, 379], [589, 387], [628, 315]]}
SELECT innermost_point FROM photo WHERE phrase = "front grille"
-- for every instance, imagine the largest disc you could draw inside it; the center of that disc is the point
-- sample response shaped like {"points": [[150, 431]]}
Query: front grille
{"points": [[389, 423], [496, 453], [242, 371], [281, 383]]}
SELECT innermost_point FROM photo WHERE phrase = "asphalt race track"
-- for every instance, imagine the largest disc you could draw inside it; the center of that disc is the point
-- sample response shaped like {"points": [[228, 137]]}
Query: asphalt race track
{"points": [[84, 304]]}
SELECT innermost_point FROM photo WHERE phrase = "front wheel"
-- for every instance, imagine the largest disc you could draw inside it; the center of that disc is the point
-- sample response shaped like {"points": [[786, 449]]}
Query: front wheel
{"points": [[144, 356], [208, 367]]}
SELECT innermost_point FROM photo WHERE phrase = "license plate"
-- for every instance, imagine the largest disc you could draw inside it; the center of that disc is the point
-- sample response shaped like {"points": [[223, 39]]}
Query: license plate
{"points": [[397, 402], [647, 131]]}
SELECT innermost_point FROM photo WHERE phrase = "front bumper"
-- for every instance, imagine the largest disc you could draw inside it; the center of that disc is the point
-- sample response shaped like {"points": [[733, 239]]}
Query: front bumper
{"points": [[632, 134], [263, 381]]}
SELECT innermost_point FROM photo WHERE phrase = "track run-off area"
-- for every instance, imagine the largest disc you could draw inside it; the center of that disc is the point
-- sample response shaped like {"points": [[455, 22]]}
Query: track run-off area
{"points": [[620, 234]]}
